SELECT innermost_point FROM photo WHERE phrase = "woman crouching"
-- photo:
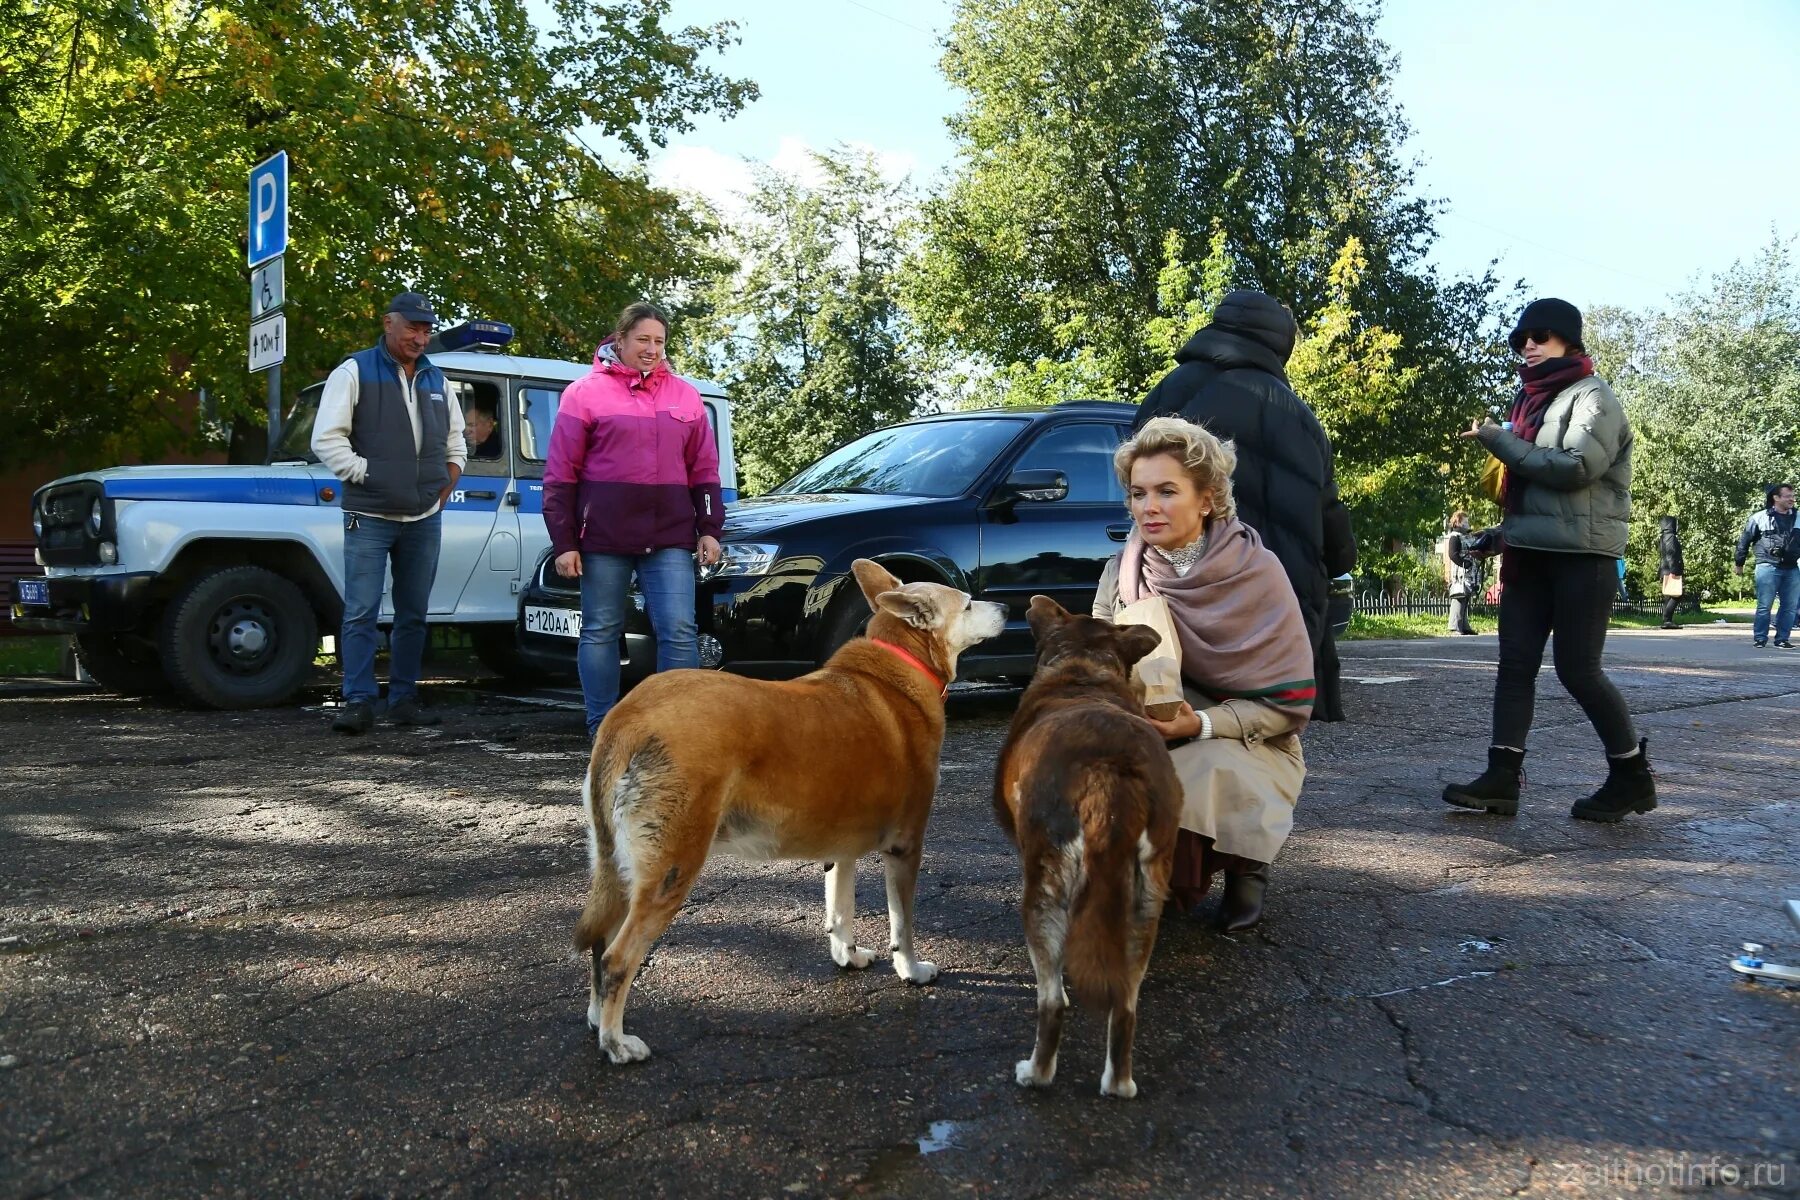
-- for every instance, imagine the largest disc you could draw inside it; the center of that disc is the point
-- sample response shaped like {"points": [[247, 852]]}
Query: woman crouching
{"points": [[1246, 661]]}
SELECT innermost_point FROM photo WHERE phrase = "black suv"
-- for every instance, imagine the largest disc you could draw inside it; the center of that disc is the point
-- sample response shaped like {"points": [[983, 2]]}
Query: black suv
{"points": [[1003, 504]]}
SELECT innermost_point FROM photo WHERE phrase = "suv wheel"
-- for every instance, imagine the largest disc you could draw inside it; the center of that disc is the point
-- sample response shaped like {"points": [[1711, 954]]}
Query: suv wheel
{"points": [[239, 637], [848, 618], [122, 663]]}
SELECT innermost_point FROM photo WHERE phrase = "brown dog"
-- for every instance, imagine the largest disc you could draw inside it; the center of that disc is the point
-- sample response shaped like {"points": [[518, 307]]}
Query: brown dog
{"points": [[1086, 790], [827, 767]]}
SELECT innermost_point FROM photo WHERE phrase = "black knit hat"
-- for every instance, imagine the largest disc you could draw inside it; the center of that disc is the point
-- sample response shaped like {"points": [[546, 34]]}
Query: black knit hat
{"points": [[1558, 316]]}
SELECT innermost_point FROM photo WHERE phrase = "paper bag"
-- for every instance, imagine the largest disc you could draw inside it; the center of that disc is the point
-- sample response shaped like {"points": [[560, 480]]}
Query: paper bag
{"points": [[1158, 674], [1671, 585]]}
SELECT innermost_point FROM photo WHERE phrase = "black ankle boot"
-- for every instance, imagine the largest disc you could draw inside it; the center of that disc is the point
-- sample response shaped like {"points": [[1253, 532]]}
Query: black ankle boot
{"points": [[1495, 789], [1242, 906], [1629, 788]]}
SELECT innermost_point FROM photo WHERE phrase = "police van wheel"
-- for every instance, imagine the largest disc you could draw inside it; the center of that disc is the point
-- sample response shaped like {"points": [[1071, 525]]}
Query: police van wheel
{"points": [[122, 663], [239, 637]]}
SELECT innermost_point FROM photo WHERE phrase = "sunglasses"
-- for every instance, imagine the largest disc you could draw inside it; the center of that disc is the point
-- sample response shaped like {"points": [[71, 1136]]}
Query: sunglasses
{"points": [[1521, 336]]}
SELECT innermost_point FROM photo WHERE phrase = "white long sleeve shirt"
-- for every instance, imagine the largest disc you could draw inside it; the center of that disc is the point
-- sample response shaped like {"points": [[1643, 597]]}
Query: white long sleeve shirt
{"points": [[331, 430]]}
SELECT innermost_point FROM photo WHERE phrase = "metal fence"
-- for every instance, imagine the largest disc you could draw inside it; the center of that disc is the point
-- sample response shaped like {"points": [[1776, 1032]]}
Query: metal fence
{"points": [[1408, 603]]}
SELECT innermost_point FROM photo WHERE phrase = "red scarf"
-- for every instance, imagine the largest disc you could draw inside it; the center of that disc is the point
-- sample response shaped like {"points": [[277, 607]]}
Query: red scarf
{"points": [[1540, 384]]}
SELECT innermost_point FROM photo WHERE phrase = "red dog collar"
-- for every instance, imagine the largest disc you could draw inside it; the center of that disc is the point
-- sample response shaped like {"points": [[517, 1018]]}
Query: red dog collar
{"points": [[908, 656]]}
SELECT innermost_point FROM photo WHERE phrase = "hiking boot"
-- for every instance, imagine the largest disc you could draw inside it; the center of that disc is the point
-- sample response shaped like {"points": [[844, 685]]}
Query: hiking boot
{"points": [[1495, 789], [409, 711], [358, 716], [1629, 788], [1241, 908]]}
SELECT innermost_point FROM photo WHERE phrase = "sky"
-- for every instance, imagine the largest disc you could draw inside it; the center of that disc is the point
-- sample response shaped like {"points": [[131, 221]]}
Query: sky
{"points": [[1603, 151]]}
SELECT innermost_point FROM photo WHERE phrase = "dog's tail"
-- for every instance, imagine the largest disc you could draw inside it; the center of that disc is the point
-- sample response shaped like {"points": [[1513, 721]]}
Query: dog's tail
{"points": [[1104, 917], [606, 902]]}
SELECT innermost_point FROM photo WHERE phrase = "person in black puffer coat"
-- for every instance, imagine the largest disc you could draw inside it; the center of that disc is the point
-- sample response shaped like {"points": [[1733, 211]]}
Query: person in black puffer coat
{"points": [[1670, 567], [1231, 377]]}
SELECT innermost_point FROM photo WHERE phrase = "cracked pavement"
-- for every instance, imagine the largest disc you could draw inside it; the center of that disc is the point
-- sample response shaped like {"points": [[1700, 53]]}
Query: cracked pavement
{"points": [[242, 956]]}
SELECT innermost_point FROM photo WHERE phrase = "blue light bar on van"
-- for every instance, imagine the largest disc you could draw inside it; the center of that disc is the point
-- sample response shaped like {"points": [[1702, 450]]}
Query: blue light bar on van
{"points": [[474, 335]]}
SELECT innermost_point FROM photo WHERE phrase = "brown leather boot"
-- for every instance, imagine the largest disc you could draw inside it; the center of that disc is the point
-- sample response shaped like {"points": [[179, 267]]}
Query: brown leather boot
{"points": [[1242, 906]]}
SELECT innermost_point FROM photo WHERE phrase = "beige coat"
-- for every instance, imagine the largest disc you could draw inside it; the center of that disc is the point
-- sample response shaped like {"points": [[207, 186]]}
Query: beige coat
{"points": [[1239, 787]]}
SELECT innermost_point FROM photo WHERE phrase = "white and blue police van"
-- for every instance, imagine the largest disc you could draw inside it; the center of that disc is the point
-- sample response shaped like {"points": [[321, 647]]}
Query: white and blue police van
{"points": [[216, 582]]}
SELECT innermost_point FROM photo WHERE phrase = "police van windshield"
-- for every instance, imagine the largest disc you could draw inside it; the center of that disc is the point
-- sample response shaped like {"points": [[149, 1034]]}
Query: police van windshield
{"points": [[296, 431]]}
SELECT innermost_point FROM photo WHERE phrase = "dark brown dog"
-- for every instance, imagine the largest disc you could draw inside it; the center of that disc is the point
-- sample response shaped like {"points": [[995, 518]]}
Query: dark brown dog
{"points": [[1086, 790]]}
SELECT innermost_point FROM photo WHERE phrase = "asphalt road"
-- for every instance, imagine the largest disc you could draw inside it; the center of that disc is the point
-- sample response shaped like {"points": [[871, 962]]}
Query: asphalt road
{"points": [[242, 956]]}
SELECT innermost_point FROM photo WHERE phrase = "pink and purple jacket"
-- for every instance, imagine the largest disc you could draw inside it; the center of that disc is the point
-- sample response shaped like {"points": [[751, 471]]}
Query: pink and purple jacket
{"points": [[633, 467]]}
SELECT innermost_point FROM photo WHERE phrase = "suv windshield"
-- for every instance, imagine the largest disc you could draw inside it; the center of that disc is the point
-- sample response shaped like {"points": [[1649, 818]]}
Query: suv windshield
{"points": [[296, 431], [931, 458]]}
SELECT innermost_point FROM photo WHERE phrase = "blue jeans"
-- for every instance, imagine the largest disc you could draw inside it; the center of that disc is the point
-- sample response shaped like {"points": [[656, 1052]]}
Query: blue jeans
{"points": [[1775, 583], [369, 542], [666, 578]]}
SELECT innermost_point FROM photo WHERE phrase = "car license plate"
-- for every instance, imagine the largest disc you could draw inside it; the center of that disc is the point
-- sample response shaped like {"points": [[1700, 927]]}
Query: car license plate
{"points": [[33, 591], [556, 622]]}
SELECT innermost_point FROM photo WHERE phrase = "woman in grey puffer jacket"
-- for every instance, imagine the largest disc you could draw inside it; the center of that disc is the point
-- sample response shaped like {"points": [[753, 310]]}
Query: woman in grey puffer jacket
{"points": [[1566, 497]]}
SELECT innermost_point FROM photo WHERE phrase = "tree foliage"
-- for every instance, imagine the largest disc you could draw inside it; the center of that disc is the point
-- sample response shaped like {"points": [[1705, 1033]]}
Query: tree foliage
{"points": [[1712, 388], [1124, 162], [433, 145], [810, 338]]}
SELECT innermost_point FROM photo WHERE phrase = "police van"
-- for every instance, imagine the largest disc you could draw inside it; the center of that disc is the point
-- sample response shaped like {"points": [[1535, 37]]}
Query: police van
{"points": [[216, 582]]}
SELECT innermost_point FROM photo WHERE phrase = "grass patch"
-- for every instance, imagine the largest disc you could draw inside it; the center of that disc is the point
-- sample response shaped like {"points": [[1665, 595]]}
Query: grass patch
{"points": [[31, 655], [1386, 626]]}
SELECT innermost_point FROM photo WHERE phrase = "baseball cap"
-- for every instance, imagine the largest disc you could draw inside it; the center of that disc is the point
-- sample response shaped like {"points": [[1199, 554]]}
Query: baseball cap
{"points": [[413, 307]]}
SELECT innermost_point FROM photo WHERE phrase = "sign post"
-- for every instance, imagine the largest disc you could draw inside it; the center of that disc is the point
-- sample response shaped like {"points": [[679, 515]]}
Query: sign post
{"points": [[268, 242]]}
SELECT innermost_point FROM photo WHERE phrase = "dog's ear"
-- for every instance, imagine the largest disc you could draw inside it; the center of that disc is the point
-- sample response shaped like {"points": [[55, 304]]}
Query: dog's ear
{"points": [[873, 579], [1044, 615], [916, 610], [1136, 642]]}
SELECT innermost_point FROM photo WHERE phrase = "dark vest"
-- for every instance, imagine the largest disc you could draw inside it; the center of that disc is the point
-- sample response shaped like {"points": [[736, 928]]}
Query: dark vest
{"points": [[403, 480]]}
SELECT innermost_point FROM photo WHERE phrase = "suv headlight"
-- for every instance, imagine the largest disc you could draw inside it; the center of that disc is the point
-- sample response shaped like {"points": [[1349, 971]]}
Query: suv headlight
{"points": [[741, 558], [96, 517]]}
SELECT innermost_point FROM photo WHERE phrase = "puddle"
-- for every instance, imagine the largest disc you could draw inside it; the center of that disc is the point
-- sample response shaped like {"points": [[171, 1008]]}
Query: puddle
{"points": [[941, 1136]]}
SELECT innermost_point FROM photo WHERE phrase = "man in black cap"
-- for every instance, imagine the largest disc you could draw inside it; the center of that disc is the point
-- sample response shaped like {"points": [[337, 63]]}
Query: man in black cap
{"points": [[387, 428], [1231, 377]]}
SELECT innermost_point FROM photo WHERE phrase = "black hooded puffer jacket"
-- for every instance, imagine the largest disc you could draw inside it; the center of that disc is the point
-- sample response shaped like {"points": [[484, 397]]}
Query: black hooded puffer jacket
{"points": [[1231, 377]]}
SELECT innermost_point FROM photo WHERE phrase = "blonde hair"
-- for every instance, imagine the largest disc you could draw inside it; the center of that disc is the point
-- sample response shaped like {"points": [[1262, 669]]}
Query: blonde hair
{"points": [[1208, 461]]}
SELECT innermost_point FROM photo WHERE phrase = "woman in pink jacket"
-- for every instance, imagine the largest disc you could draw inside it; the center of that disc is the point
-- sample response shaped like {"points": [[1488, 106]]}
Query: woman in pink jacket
{"points": [[632, 486]]}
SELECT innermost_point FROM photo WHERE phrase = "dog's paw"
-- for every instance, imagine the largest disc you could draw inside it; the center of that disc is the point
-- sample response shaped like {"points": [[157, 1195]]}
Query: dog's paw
{"points": [[593, 1015], [916, 971], [1026, 1075], [854, 957], [624, 1048], [1124, 1090]]}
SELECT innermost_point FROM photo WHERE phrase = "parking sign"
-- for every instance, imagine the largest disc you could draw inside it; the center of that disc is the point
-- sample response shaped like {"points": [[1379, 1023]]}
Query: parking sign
{"points": [[268, 208]]}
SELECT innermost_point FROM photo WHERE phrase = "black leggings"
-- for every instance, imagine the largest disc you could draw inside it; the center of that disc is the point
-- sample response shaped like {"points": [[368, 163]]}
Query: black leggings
{"points": [[1669, 604], [1573, 595]]}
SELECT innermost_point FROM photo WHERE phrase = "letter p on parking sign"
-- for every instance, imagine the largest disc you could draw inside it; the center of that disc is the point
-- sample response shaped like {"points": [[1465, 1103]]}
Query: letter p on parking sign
{"points": [[268, 208]]}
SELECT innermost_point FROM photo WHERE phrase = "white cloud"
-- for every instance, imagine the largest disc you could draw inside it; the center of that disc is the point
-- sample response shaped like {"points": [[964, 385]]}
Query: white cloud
{"points": [[725, 180]]}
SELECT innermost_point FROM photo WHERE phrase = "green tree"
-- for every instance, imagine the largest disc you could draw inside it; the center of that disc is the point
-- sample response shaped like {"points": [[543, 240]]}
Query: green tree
{"points": [[810, 337], [1713, 391], [1124, 162], [446, 147]]}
